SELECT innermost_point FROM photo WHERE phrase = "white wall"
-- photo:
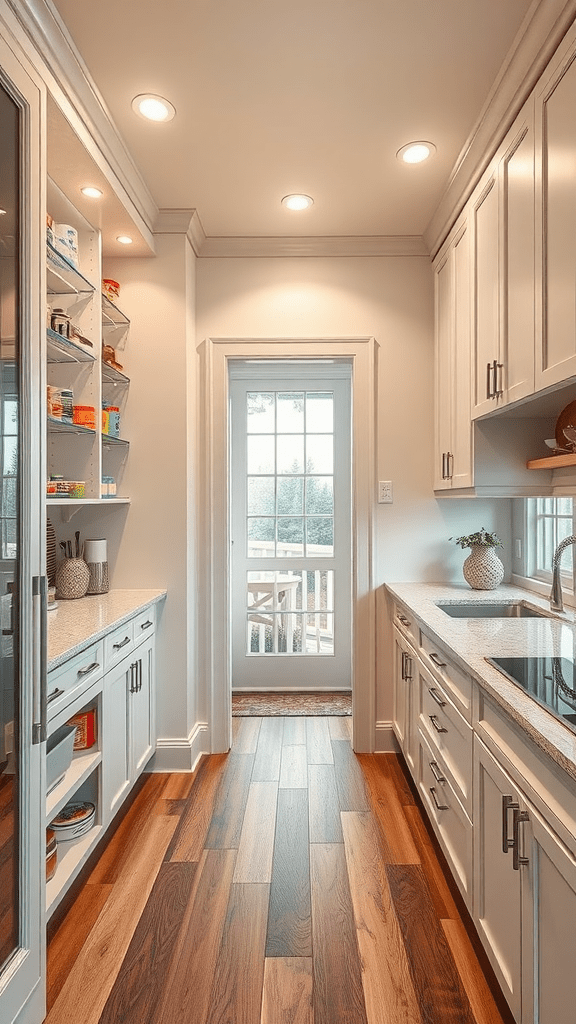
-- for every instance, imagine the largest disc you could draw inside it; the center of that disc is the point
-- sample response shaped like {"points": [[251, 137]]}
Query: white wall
{"points": [[390, 298]]}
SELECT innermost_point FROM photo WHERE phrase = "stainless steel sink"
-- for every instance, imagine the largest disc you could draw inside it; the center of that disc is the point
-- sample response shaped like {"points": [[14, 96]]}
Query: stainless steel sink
{"points": [[476, 610]]}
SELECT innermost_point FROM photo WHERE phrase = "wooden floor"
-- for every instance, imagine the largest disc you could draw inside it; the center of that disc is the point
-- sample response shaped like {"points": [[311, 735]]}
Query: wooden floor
{"points": [[289, 882]]}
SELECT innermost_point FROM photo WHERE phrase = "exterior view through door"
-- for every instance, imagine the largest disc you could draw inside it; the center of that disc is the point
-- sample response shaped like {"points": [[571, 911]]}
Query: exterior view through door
{"points": [[290, 470]]}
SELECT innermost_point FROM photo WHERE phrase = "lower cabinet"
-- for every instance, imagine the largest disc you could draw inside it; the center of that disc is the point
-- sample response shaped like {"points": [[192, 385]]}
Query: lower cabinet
{"points": [[405, 711], [129, 724]]}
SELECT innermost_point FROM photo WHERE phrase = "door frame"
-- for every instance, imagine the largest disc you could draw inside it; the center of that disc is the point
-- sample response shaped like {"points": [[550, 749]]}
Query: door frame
{"points": [[215, 653]]}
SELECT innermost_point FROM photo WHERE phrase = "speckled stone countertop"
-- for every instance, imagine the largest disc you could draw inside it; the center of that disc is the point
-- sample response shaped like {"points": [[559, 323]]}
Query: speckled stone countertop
{"points": [[73, 625], [473, 640]]}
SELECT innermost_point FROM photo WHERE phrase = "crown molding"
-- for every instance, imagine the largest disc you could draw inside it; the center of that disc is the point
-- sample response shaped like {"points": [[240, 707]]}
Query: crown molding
{"points": [[55, 57], [332, 246], [181, 222], [543, 28]]}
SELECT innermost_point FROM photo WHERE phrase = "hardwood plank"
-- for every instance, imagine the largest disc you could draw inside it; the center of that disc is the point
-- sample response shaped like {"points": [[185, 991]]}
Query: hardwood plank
{"points": [[237, 992], [318, 741], [190, 836], [477, 988], [289, 925], [70, 936], [324, 809], [294, 730], [438, 887], [352, 792], [293, 767], [287, 994], [397, 773], [176, 807], [99, 960], [386, 979], [139, 984], [398, 845], [230, 803], [338, 994], [130, 832], [246, 739], [254, 860], [267, 761], [179, 785], [437, 984], [338, 727], [188, 986]]}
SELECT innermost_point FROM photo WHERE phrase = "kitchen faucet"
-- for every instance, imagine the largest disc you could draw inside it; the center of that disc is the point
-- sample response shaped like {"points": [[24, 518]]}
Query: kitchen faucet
{"points": [[556, 603]]}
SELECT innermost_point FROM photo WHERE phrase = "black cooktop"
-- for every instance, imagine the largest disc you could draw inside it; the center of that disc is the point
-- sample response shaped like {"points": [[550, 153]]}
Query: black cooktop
{"points": [[551, 681]]}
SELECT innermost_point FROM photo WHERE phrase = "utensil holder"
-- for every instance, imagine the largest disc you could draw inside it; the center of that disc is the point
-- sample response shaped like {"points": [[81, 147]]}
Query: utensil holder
{"points": [[72, 578], [98, 582]]}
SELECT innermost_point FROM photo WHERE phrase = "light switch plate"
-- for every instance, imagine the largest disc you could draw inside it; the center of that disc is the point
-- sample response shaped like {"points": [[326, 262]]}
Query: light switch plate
{"points": [[385, 492]]}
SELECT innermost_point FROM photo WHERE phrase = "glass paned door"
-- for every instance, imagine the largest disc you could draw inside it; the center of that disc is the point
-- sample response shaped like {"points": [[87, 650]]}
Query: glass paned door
{"points": [[291, 520]]}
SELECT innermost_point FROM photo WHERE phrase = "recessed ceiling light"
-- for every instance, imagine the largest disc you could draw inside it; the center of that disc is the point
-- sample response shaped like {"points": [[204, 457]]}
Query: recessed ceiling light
{"points": [[153, 108], [91, 192], [416, 152], [297, 202], [124, 239], [2, 213]]}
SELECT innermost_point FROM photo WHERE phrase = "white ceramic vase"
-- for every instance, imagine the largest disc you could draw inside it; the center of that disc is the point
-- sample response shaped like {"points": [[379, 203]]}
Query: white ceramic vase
{"points": [[483, 570]]}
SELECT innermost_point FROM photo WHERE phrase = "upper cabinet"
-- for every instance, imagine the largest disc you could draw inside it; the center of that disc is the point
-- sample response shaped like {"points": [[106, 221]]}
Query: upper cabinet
{"points": [[556, 218], [503, 317]]}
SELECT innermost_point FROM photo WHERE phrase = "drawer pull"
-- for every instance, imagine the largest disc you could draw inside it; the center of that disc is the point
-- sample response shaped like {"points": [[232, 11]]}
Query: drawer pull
{"points": [[122, 643], [436, 772], [517, 818], [508, 804], [436, 696], [436, 659], [147, 624], [89, 668], [439, 807], [405, 622], [436, 724], [52, 696], [133, 688]]}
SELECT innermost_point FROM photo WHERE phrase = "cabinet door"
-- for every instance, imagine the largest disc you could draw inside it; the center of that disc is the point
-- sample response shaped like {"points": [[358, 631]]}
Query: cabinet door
{"points": [[556, 221], [518, 285], [142, 731], [115, 753], [460, 464], [443, 369], [497, 887], [486, 287], [404, 674], [549, 913]]}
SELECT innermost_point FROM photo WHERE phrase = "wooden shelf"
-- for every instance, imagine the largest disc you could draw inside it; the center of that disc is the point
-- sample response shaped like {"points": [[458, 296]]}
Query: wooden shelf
{"points": [[552, 461], [83, 764]]}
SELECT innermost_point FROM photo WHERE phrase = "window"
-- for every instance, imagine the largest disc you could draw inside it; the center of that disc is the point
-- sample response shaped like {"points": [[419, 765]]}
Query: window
{"points": [[549, 521]]}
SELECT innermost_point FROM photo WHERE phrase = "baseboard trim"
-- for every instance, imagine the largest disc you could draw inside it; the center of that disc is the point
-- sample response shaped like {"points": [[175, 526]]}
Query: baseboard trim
{"points": [[181, 754], [385, 741]]}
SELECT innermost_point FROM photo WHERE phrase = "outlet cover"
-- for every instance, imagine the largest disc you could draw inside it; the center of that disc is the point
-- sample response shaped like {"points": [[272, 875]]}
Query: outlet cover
{"points": [[385, 492]]}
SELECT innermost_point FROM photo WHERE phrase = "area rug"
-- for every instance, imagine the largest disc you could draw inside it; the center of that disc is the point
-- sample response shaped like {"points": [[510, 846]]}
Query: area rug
{"points": [[265, 705]]}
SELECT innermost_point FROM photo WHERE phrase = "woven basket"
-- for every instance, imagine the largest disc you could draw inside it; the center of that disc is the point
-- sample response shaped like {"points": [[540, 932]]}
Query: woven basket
{"points": [[72, 578]]}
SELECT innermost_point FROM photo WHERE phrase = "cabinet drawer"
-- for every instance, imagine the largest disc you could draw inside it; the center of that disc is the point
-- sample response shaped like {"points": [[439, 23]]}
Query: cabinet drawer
{"points": [[144, 625], [118, 644], [406, 623], [70, 680], [454, 680], [449, 819], [447, 733]]}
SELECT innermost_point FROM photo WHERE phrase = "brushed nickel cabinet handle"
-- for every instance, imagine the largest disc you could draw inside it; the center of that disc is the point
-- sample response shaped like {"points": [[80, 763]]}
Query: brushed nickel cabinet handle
{"points": [[436, 724], [499, 379], [489, 393], [436, 772], [123, 643], [436, 696], [89, 668], [517, 818], [147, 624], [508, 804], [405, 622], [439, 807], [436, 659], [132, 686], [450, 465], [52, 696], [408, 675]]}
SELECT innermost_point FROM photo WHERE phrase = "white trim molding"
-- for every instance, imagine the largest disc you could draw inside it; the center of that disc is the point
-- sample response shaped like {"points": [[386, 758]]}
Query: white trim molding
{"points": [[181, 222], [280, 247], [215, 640], [181, 753], [385, 741]]}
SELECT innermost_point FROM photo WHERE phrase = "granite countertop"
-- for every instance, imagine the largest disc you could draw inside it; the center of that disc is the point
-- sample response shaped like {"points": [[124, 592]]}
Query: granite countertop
{"points": [[73, 625], [473, 640]]}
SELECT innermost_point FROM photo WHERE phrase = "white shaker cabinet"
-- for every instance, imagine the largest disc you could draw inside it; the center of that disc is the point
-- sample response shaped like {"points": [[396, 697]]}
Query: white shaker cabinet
{"points": [[453, 434], [556, 217], [405, 676], [141, 720]]}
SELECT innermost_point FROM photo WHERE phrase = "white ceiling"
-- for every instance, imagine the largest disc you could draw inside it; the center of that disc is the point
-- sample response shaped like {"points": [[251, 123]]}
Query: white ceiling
{"points": [[280, 96]]}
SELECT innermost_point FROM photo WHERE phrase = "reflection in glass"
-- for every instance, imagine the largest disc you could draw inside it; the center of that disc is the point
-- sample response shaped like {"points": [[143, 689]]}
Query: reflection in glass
{"points": [[260, 496], [320, 496], [260, 413], [290, 412], [290, 496], [319, 453], [10, 527], [290, 453], [319, 412], [260, 454]]}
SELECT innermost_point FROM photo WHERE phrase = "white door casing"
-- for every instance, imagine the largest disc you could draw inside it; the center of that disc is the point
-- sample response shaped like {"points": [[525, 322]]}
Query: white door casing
{"points": [[215, 637]]}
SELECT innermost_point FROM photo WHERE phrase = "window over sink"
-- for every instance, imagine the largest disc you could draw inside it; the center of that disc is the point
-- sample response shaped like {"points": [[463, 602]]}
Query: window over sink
{"points": [[547, 522]]}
